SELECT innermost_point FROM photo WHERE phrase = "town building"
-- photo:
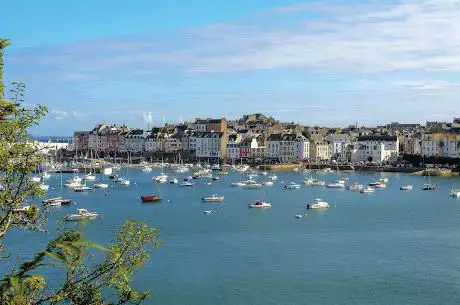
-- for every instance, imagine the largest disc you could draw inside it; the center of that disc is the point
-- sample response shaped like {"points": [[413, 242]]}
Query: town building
{"points": [[211, 145], [135, 141], [320, 150], [376, 148], [441, 144], [80, 140]]}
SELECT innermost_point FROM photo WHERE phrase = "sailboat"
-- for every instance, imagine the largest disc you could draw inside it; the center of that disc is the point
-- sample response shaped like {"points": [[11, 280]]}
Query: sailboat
{"points": [[102, 184], [429, 186], [151, 198], [125, 181]]}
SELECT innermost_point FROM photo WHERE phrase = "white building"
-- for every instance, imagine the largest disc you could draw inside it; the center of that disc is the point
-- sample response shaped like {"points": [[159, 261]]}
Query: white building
{"points": [[376, 148], [339, 143]]}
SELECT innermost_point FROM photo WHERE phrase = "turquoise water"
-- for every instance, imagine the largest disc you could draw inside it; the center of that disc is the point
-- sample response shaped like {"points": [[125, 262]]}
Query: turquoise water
{"points": [[390, 247]]}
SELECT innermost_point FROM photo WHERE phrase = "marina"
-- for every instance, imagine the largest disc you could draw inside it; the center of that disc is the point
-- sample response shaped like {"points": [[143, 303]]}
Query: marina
{"points": [[254, 230]]}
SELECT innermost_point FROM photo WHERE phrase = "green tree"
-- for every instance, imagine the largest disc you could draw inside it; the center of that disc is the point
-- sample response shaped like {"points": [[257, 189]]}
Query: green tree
{"points": [[84, 279]]}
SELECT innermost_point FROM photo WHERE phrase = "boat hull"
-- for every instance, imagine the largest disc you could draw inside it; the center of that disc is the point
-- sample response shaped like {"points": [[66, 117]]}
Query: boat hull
{"points": [[150, 199]]}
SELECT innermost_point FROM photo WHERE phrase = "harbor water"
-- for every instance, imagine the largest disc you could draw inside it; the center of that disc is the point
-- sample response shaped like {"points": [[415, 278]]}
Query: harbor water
{"points": [[388, 247]]}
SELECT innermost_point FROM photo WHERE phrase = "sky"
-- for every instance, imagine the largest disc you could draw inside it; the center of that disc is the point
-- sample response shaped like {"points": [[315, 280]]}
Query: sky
{"points": [[147, 62]]}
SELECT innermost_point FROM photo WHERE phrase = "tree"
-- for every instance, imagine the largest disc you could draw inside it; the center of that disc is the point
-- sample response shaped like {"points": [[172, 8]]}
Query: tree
{"points": [[84, 279]]}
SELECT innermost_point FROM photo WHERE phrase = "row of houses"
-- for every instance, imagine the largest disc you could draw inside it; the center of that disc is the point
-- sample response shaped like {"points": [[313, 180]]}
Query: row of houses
{"points": [[262, 138]]}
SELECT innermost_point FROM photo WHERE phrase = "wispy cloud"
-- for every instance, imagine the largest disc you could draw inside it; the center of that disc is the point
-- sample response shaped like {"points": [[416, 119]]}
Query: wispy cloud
{"points": [[59, 114], [334, 36]]}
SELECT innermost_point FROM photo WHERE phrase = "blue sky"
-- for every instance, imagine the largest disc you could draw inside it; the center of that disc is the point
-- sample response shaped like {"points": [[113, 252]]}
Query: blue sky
{"points": [[314, 62]]}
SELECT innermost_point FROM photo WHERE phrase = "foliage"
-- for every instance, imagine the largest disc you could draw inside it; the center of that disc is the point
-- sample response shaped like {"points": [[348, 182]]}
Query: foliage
{"points": [[84, 280]]}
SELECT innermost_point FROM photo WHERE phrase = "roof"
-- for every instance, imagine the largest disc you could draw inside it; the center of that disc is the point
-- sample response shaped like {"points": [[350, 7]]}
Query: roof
{"points": [[209, 135], [377, 138], [274, 137]]}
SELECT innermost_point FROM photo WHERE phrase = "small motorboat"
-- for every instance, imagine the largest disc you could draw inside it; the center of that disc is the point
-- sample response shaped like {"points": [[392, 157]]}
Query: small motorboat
{"points": [[186, 184], [292, 186], [316, 182], [215, 178], [150, 198], [355, 187], [429, 187], [73, 184], [264, 173], [89, 177], [81, 189], [162, 178], [213, 198], [173, 181], [367, 190], [337, 185], [260, 204], [82, 214], [298, 216], [101, 185], [374, 183], [380, 185], [455, 193], [124, 181], [406, 187], [273, 177], [57, 201], [317, 204], [207, 212], [251, 184], [268, 183]]}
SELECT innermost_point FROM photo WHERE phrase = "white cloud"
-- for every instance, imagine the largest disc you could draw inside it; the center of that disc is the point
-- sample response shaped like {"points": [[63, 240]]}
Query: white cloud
{"points": [[59, 114], [359, 37], [427, 85]]}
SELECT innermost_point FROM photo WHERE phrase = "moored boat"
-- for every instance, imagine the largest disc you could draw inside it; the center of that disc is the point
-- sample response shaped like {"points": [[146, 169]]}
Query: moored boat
{"points": [[81, 189], [251, 184], [406, 187], [355, 187], [455, 193], [101, 185], [82, 214], [260, 204], [57, 201], [292, 186], [213, 198], [367, 190], [150, 198], [317, 182], [429, 187], [186, 184], [317, 204]]}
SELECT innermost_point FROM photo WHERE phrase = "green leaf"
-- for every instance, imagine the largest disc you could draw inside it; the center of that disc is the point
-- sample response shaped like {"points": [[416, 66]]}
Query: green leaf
{"points": [[56, 255]]}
